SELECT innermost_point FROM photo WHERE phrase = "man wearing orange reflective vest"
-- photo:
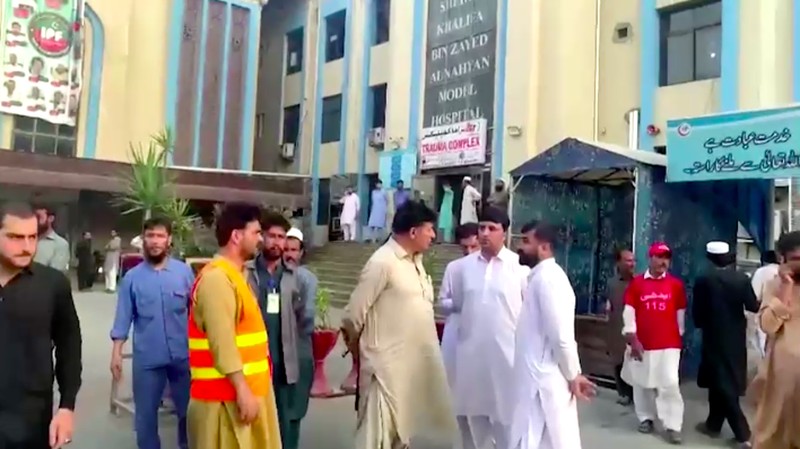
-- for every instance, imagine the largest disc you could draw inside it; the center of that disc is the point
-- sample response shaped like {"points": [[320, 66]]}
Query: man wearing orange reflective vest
{"points": [[232, 403]]}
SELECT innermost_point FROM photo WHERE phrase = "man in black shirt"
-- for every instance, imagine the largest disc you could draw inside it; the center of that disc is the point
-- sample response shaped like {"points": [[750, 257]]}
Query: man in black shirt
{"points": [[37, 315]]}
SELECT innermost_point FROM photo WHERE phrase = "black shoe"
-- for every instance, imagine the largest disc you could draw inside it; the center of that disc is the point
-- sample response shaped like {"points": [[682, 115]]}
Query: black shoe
{"points": [[673, 437], [703, 428], [646, 426], [625, 401]]}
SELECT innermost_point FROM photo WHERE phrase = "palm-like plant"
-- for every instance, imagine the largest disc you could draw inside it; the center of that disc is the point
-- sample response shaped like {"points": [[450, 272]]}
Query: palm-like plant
{"points": [[149, 186]]}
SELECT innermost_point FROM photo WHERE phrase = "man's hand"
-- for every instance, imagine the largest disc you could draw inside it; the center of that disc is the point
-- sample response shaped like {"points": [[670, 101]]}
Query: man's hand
{"points": [[582, 388], [116, 366], [637, 351], [350, 338], [247, 404], [61, 428]]}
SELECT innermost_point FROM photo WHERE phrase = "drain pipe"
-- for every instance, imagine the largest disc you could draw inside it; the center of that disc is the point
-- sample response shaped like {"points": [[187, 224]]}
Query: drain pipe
{"points": [[596, 105]]}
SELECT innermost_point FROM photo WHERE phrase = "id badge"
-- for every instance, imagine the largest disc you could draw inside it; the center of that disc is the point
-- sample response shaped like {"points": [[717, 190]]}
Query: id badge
{"points": [[273, 303]]}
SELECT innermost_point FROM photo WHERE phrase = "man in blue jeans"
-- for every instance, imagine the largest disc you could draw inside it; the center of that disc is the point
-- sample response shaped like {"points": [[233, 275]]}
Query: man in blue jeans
{"points": [[153, 298]]}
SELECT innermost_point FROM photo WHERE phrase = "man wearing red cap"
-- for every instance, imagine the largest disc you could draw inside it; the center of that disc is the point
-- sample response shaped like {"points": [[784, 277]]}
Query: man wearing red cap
{"points": [[655, 306]]}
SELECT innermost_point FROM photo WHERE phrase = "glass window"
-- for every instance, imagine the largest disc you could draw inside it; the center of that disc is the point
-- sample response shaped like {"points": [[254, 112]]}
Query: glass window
{"points": [[679, 68], [382, 19], [335, 25], [690, 43], [379, 106], [331, 118], [707, 52], [291, 124], [32, 135], [294, 51]]}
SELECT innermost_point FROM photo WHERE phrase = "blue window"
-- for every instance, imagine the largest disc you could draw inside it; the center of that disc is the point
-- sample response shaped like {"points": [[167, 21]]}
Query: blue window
{"points": [[294, 51], [331, 118], [690, 46], [335, 25]]}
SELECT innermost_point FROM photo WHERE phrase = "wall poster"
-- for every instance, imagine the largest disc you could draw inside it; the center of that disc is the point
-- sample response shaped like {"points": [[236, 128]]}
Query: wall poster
{"points": [[460, 62], [42, 55]]}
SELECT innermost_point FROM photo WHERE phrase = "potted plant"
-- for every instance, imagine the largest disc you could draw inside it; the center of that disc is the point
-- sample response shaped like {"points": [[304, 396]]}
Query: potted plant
{"points": [[430, 269], [323, 340]]}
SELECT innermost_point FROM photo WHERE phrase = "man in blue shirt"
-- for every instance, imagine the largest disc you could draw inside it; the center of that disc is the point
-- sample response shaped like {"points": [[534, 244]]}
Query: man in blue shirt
{"points": [[401, 195], [153, 297]]}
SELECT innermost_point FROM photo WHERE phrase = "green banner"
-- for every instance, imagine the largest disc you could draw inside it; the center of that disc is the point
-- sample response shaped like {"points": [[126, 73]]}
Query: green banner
{"points": [[42, 54]]}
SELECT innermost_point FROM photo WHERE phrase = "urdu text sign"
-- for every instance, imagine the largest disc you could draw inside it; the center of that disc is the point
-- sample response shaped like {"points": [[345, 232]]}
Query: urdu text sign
{"points": [[761, 144]]}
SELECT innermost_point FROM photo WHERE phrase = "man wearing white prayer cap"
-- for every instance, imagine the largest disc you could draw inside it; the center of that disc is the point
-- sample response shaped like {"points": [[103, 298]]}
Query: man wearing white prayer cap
{"points": [[720, 297], [470, 197]]}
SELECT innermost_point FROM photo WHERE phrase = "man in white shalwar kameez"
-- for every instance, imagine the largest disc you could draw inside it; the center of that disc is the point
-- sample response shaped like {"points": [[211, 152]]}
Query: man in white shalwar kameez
{"points": [[349, 217], [492, 282], [653, 325], [470, 197], [547, 370], [467, 238]]}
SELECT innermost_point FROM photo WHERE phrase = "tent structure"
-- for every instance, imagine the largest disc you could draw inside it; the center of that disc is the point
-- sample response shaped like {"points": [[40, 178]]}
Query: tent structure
{"points": [[579, 160], [602, 197]]}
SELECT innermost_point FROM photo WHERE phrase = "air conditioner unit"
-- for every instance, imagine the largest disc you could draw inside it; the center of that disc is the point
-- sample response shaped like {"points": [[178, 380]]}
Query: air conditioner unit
{"points": [[287, 151], [376, 137]]}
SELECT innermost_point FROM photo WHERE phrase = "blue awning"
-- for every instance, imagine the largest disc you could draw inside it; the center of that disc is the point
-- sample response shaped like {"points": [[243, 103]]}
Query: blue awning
{"points": [[580, 160]]}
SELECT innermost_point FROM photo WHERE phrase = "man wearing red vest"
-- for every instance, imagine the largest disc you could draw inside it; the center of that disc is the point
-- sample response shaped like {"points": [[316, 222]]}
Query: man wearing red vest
{"points": [[653, 317], [232, 402]]}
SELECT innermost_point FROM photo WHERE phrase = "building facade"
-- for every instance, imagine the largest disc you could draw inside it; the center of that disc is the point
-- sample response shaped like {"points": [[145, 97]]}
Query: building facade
{"points": [[352, 85], [186, 65], [334, 71]]}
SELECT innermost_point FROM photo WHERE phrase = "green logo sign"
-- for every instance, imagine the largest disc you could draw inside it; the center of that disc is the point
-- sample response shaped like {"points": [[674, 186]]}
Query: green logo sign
{"points": [[50, 34]]}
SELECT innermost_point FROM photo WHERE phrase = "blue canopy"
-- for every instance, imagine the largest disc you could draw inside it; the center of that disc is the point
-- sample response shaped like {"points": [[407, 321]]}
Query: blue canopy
{"points": [[580, 160]]}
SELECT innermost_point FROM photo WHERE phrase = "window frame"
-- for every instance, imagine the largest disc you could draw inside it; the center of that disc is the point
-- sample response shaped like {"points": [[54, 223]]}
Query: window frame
{"points": [[34, 133], [378, 118], [383, 18], [292, 44], [335, 51], [292, 111], [665, 34], [331, 108]]}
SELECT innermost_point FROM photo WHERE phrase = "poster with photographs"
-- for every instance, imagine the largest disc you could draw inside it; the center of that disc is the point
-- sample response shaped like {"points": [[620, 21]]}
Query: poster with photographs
{"points": [[42, 54]]}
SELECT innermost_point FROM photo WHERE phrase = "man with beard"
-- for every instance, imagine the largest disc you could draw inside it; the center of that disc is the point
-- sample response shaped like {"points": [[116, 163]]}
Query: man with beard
{"points": [[721, 296], [86, 270], [153, 298], [37, 319], [284, 295], [232, 402], [52, 249], [547, 371]]}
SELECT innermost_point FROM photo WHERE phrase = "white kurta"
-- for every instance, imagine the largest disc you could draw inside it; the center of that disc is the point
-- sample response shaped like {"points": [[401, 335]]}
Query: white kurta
{"points": [[469, 200], [756, 337], [449, 293], [350, 208], [492, 298], [546, 356]]}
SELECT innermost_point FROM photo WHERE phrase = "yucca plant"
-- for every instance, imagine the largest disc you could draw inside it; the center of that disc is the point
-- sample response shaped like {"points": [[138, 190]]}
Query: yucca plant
{"points": [[148, 184], [177, 211]]}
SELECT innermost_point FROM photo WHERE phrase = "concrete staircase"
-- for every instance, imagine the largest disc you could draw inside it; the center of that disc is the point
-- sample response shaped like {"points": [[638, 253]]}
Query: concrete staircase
{"points": [[338, 265]]}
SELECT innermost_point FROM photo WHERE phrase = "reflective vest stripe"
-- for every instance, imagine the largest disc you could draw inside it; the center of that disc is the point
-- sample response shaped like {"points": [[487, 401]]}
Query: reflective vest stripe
{"points": [[242, 341], [205, 359], [248, 369]]}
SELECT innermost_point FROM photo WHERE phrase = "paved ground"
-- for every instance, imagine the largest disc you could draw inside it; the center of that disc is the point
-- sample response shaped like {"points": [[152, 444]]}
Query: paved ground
{"points": [[604, 425]]}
